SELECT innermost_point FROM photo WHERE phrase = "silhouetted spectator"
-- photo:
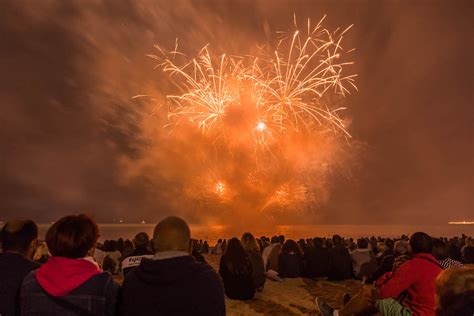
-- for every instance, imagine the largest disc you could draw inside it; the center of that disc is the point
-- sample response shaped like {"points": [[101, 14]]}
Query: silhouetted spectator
{"points": [[363, 260], [340, 263], [441, 253], [318, 260], [271, 254], [235, 269], [141, 251], [173, 282], [18, 243], [290, 264], [250, 245]]}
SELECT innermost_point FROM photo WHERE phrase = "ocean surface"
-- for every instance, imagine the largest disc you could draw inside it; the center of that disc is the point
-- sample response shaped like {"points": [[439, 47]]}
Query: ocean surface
{"points": [[213, 233]]}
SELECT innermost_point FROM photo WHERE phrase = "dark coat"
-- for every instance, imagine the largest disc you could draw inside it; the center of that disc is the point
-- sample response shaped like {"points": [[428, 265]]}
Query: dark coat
{"points": [[340, 264], [290, 265], [97, 296], [317, 262], [13, 269], [258, 270], [174, 286], [238, 285]]}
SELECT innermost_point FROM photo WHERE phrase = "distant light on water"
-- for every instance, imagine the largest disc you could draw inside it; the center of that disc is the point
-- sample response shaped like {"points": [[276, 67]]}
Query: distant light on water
{"points": [[461, 223]]}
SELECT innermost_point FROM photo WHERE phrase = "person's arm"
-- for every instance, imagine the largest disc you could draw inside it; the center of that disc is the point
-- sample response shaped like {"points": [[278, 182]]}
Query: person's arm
{"points": [[401, 280]]}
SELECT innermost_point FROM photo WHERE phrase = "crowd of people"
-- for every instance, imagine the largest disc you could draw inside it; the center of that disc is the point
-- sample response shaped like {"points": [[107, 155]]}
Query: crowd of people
{"points": [[70, 273]]}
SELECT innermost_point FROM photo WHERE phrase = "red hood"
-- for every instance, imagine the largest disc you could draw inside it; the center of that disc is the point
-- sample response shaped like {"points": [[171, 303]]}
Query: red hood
{"points": [[60, 275]]}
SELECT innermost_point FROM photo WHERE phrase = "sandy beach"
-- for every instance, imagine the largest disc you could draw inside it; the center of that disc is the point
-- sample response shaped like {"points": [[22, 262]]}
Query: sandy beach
{"points": [[290, 297]]}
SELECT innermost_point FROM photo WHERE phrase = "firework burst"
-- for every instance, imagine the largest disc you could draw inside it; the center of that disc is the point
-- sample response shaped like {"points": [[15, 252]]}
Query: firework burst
{"points": [[263, 104], [286, 85]]}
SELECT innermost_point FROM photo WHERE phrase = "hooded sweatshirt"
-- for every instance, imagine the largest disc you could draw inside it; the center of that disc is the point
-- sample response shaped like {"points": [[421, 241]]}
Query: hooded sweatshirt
{"points": [[64, 286], [172, 285], [60, 275]]}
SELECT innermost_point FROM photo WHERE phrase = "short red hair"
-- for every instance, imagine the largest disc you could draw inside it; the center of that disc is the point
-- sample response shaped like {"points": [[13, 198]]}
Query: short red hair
{"points": [[72, 236]]}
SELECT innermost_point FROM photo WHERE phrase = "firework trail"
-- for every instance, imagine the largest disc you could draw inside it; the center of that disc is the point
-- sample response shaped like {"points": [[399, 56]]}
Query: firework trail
{"points": [[263, 100]]}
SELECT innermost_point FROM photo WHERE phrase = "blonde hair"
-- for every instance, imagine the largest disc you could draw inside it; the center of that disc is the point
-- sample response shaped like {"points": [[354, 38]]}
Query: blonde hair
{"points": [[452, 283], [249, 243], [41, 250]]}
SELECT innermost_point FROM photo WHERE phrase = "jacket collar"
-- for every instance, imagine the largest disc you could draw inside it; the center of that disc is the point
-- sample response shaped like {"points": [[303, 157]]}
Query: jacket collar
{"points": [[169, 254]]}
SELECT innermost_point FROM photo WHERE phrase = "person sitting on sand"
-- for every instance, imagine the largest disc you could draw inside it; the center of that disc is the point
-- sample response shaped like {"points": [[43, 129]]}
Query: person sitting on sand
{"points": [[235, 268], [441, 253], [290, 263], [218, 247], [70, 282], [172, 282], [271, 254], [141, 251], [388, 250], [205, 247], [363, 260], [455, 292], [18, 243], [409, 291], [340, 262], [318, 260], [250, 245], [400, 248]]}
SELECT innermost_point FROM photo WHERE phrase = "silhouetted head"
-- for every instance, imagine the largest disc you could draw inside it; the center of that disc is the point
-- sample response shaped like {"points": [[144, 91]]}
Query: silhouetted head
{"points": [[290, 246], [172, 233], [318, 242], [337, 240], [141, 240], [72, 236], [440, 249], [249, 243], [281, 239], [19, 236], [362, 243], [389, 243], [275, 240], [421, 243]]}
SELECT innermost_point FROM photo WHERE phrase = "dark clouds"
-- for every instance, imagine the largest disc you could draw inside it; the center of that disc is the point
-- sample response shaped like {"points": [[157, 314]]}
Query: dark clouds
{"points": [[69, 68]]}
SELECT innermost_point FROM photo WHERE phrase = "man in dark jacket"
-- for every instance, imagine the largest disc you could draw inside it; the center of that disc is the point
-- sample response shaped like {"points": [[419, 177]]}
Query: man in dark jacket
{"points": [[340, 263], [19, 240], [172, 282]]}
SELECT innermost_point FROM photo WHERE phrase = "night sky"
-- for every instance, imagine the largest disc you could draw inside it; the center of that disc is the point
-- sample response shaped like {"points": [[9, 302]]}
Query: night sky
{"points": [[69, 129]]}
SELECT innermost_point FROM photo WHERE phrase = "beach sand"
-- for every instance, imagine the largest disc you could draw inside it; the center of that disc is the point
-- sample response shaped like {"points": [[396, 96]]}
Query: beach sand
{"points": [[290, 297]]}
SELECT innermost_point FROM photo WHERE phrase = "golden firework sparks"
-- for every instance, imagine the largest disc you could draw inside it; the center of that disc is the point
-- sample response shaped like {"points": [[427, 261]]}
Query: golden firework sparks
{"points": [[288, 84]]}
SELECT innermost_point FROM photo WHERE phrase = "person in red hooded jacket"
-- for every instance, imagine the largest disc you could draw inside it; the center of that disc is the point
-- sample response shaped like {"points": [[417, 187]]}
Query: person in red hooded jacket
{"points": [[70, 282], [410, 290]]}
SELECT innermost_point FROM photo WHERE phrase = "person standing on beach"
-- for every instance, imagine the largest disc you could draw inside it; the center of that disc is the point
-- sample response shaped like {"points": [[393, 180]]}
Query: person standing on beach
{"points": [[172, 282], [19, 243]]}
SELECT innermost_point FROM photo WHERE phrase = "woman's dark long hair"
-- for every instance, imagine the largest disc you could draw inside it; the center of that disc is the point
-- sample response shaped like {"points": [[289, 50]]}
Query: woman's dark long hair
{"points": [[236, 258], [290, 246]]}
